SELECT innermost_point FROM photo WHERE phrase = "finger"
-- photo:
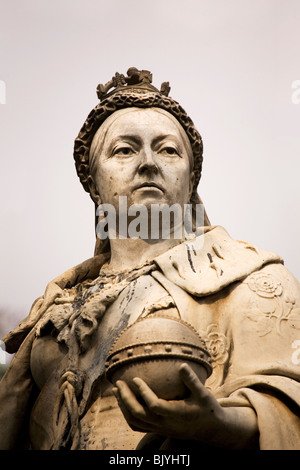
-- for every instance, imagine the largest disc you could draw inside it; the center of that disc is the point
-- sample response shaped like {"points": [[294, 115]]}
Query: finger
{"points": [[156, 405], [137, 418], [132, 404], [128, 398], [134, 423], [192, 381]]}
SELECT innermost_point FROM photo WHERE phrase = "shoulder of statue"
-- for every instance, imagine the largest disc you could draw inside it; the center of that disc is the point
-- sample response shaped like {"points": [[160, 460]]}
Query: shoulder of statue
{"points": [[87, 270], [272, 286], [212, 261]]}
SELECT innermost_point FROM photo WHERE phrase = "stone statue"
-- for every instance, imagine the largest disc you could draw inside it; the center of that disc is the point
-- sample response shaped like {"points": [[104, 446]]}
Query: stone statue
{"points": [[239, 306]]}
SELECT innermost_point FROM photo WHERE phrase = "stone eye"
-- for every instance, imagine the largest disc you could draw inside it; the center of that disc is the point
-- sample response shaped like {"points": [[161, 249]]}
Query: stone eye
{"points": [[169, 151], [123, 151]]}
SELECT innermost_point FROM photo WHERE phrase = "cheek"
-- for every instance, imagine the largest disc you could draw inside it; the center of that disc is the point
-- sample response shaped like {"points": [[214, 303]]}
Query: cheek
{"points": [[181, 180], [111, 182], [104, 182]]}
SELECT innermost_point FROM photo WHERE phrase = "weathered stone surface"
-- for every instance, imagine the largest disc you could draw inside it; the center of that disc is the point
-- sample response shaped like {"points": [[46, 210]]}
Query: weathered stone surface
{"points": [[243, 304]]}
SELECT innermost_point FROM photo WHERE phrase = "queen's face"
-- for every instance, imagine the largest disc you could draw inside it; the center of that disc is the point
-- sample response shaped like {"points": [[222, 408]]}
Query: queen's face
{"points": [[145, 156]]}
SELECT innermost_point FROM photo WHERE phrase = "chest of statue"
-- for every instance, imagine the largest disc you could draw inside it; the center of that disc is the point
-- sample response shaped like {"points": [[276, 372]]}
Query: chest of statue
{"points": [[102, 425]]}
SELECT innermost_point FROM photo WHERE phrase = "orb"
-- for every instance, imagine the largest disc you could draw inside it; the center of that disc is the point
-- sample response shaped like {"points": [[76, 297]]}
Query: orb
{"points": [[153, 348]]}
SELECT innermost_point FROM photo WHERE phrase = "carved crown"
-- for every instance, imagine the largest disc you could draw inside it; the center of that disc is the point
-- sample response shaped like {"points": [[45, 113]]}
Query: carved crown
{"points": [[137, 81]]}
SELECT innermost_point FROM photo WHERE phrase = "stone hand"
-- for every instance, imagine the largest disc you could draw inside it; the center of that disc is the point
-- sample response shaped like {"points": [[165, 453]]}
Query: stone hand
{"points": [[197, 417]]}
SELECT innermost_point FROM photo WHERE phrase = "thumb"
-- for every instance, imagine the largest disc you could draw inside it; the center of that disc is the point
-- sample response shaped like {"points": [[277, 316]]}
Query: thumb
{"points": [[192, 381]]}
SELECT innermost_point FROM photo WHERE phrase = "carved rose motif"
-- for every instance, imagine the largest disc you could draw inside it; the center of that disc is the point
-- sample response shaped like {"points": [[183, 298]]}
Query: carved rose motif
{"points": [[272, 307], [264, 285], [217, 345]]}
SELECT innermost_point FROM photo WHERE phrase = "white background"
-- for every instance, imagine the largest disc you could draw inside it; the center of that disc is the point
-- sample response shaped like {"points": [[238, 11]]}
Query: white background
{"points": [[231, 64]]}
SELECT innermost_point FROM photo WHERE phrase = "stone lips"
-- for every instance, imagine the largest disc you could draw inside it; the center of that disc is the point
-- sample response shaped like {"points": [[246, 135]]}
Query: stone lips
{"points": [[153, 348]]}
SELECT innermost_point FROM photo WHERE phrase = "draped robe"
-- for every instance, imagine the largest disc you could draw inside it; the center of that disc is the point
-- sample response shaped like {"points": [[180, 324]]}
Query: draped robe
{"points": [[243, 302]]}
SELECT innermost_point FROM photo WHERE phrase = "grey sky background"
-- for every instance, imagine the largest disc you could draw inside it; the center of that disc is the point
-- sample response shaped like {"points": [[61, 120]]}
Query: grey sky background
{"points": [[231, 64]]}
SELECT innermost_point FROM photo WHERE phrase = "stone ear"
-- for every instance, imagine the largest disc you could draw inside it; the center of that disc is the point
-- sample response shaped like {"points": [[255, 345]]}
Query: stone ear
{"points": [[93, 191]]}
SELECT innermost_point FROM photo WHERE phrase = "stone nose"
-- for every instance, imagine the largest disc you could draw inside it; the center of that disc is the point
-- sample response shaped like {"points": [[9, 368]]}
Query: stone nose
{"points": [[147, 161]]}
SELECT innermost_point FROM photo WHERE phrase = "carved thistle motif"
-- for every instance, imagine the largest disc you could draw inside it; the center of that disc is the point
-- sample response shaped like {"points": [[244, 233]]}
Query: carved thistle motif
{"points": [[272, 305]]}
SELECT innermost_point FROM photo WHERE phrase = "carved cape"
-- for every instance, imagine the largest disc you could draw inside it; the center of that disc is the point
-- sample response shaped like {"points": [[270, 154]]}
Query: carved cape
{"points": [[243, 302]]}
